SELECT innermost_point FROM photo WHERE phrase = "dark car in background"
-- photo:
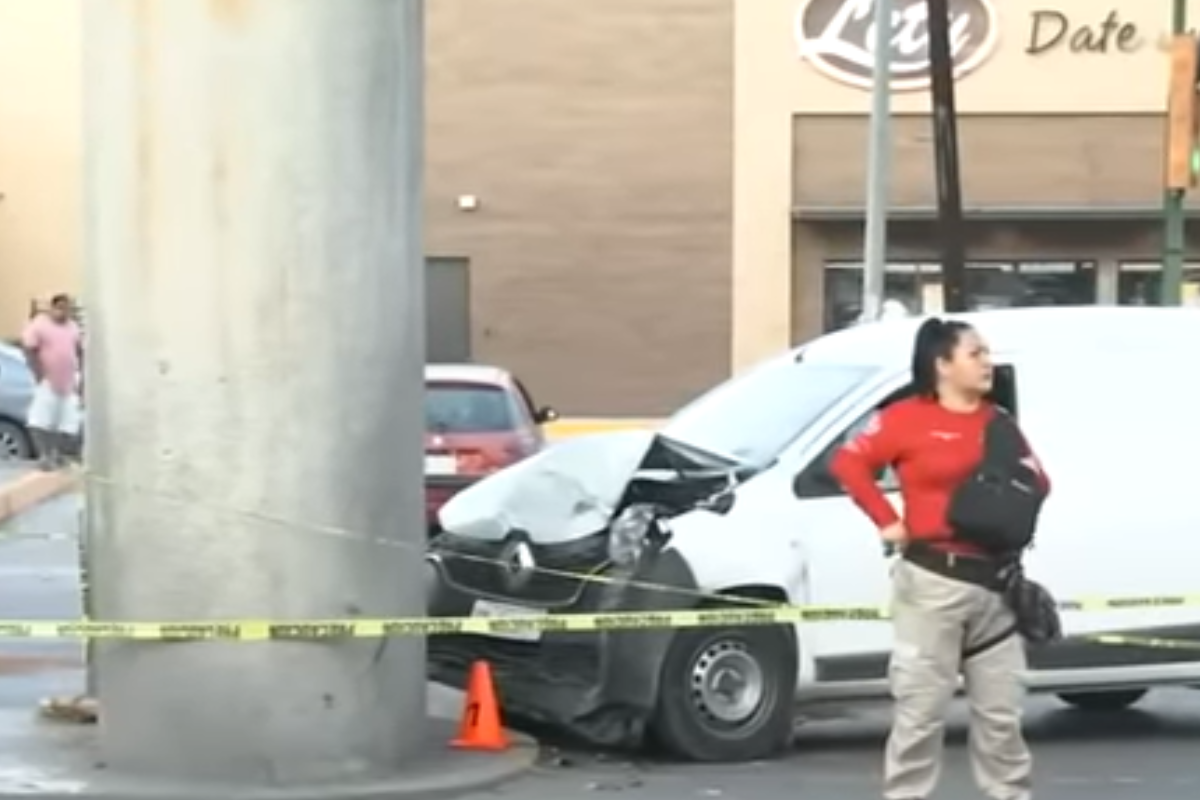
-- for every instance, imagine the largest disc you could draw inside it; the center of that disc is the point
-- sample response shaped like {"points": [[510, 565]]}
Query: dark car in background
{"points": [[478, 419]]}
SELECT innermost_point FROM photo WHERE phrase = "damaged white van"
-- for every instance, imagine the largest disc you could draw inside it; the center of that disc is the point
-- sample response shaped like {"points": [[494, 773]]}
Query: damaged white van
{"points": [[732, 498]]}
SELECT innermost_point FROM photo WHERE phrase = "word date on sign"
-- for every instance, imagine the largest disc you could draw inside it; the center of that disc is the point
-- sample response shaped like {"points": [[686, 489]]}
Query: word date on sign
{"points": [[1054, 30]]}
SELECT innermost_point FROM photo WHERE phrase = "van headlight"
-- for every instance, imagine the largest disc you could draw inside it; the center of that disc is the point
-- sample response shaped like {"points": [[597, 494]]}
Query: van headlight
{"points": [[627, 534]]}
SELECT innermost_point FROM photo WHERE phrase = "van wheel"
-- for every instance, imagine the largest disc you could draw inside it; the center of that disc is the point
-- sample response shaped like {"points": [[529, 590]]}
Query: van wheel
{"points": [[1103, 701], [727, 694]]}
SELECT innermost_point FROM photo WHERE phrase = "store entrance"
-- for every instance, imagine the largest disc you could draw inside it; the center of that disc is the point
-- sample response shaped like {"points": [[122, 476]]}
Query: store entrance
{"points": [[1139, 283], [916, 287]]}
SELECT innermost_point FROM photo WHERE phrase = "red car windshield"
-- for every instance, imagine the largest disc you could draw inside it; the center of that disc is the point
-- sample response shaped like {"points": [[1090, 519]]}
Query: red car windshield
{"points": [[468, 408]]}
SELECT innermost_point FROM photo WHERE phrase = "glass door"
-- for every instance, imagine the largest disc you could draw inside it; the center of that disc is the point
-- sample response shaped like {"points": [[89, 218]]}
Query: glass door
{"points": [[1020, 284], [908, 288], [1139, 283]]}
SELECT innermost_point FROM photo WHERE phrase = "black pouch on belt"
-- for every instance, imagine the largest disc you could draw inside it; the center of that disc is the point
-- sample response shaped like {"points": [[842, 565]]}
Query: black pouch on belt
{"points": [[1034, 607]]}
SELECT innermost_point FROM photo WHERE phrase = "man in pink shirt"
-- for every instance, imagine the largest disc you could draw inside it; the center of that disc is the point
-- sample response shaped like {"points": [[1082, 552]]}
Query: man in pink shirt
{"points": [[54, 349]]}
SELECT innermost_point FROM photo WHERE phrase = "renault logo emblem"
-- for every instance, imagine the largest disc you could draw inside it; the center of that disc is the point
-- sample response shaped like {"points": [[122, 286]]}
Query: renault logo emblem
{"points": [[519, 563]]}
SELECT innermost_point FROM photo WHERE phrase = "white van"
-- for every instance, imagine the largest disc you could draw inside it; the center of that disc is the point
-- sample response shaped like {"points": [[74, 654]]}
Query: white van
{"points": [[732, 498]]}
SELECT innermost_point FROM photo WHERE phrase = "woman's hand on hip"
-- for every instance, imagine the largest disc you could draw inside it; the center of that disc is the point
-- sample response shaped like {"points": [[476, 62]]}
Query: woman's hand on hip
{"points": [[895, 533]]}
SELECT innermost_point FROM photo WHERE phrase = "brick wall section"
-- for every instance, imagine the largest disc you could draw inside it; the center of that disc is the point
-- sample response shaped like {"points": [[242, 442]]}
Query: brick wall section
{"points": [[1071, 161], [597, 135]]}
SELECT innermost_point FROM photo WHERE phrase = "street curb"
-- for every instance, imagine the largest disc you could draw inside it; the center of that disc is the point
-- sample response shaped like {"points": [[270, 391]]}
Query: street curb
{"points": [[440, 773], [33, 488]]}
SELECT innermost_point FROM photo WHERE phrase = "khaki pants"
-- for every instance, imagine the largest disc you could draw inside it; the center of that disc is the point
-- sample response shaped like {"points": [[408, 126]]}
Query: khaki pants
{"points": [[936, 619]]}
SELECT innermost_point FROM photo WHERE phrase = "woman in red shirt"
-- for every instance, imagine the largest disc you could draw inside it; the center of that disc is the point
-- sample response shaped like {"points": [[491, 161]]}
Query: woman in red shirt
{"points": [[948, 615]]}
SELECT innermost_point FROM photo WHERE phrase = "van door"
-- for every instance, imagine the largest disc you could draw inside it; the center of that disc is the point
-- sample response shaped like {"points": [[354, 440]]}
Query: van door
{"points": [[847, 565]]}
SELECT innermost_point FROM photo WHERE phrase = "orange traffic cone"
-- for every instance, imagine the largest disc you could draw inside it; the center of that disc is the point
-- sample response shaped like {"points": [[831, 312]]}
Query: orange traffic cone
{"points": [[480, 728]]}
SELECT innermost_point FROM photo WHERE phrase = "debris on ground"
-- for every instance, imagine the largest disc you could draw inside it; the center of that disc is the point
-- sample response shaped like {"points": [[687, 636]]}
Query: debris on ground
{"points": [[81, 709]]}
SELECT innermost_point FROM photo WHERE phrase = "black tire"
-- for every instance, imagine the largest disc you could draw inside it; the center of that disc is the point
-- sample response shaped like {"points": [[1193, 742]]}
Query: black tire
{"points": [[687, 720], [1103, 701], [15, 442]]}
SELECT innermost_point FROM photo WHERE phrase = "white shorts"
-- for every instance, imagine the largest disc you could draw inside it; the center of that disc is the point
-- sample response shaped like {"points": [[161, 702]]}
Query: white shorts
{"points": [[54, 412]]}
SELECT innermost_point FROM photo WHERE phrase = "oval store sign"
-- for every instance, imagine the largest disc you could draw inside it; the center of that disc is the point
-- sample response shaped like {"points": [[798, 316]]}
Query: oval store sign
{"points": [[837, 38]]}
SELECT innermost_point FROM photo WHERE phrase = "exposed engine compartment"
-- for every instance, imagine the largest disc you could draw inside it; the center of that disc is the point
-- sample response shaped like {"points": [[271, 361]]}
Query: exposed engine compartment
{"points": [[675, 478]]}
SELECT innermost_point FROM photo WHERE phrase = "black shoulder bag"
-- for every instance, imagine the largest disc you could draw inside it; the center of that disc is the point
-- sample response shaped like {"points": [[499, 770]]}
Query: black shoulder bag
{"points": [[997, 509]]}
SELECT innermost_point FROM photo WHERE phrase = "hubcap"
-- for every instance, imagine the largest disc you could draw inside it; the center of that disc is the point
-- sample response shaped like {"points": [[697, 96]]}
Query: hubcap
{"points": [[9, 447], [727, 683]]}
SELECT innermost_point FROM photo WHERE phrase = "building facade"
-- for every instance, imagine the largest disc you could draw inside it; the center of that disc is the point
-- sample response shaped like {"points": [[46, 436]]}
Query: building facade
{"points": [[628, 199], [1061, 110], [580, 162], [40, 155], [579, 188]]}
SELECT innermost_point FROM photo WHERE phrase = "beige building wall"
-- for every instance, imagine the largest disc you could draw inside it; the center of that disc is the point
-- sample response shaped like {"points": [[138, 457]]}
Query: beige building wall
{"points": [[597, 136], [40, 126], [1073, 120], [598, 139]]}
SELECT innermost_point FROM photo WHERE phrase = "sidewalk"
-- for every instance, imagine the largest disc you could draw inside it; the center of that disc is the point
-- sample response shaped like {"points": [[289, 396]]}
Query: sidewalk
{"points": [[39, 579], [53, 760], [23, 486]]}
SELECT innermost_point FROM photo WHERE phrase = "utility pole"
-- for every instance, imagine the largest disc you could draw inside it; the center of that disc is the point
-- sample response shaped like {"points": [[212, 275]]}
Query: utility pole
{"points": [[255, 286], [945, 149], [1181, 146], [879, 165]]}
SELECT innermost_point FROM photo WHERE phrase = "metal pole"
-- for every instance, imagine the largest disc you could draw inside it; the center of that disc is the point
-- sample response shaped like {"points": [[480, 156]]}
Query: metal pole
{"points": [[879, 158], [256, 293], [945, 147], [1174, 226], [89, 645]]}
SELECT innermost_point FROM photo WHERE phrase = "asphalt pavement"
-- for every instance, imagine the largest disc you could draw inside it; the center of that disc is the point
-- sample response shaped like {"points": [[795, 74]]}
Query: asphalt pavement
{"points": [[1150, 752], [39, 579]]}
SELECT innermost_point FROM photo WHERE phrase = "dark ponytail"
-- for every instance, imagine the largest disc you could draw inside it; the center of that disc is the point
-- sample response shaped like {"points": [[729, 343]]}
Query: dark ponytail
{"points": [[935, 340]]}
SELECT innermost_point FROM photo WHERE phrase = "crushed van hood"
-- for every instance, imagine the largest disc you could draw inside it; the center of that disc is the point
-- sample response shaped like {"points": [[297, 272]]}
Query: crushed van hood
{"points": [[568, 490]]}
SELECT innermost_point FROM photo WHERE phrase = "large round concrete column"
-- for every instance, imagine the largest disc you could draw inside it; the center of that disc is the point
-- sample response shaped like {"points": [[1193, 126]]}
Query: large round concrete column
{"points": [[255, 297]]}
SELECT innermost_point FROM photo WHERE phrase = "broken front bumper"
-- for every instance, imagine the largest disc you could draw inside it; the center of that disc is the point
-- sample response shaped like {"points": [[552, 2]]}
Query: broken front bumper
{"points": [[599, 687]]}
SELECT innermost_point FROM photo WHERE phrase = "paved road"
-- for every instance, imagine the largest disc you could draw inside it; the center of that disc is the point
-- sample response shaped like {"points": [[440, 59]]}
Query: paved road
{"points": [[1149, 753], [38, 580]]}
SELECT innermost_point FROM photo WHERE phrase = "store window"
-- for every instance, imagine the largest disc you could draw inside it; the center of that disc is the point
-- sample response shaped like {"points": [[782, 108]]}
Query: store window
{"points": [[1139, 283], [916, 288]]}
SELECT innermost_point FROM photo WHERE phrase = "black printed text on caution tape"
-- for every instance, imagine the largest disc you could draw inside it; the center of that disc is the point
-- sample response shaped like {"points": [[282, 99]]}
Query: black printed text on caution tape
{"points": [[273, 630]]}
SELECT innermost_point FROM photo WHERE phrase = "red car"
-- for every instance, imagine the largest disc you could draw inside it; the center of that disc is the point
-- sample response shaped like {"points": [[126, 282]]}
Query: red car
{"points": [[478, 419]]}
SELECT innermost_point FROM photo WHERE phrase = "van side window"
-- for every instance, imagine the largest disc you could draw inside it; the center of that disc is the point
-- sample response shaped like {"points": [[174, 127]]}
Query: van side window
{"points": [[1004, 388], [815, 481]]}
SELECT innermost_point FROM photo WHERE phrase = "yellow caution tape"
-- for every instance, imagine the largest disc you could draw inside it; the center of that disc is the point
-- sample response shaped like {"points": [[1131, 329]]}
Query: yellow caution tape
{"points": [[268, 630], [1130, 603], [265, 630]]}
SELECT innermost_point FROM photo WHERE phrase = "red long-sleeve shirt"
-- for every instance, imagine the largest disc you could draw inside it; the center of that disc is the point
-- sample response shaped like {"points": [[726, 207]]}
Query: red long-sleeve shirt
{"points": [[932, 449]]}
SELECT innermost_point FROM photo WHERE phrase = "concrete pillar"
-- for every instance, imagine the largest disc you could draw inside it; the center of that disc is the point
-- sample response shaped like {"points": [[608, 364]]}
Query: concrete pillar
{"points": [[255, 291]]}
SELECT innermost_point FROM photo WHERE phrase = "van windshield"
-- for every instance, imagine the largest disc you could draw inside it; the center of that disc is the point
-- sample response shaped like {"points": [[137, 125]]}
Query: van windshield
{"points": [[753, 417]]}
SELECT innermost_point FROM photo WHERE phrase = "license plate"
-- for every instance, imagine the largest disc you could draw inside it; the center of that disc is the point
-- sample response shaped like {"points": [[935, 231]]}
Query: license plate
{"points": [[441, 465], [493, 610]]}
